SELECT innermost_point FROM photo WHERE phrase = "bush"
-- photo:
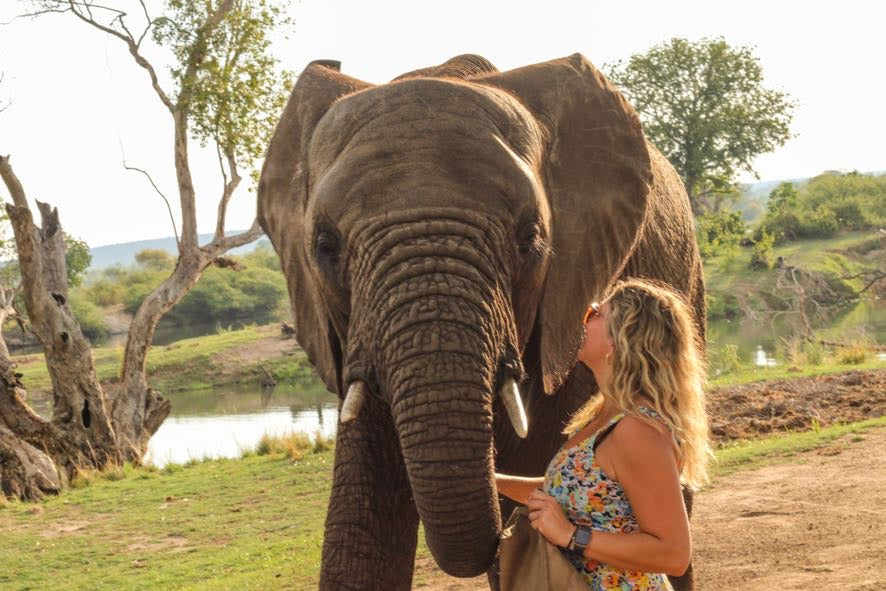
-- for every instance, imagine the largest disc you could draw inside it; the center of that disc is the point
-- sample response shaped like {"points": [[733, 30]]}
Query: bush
{"points": [[722, 305], [850, 216], [814, 352], [763, 256], [820, 223], [89, 316], [726, 359], [785, 226], [719, 233], [105, 293], [293, 445]]}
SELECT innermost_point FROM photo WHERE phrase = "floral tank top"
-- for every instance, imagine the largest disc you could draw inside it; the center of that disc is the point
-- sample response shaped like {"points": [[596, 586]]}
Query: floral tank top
{"points": [[590, 498]]}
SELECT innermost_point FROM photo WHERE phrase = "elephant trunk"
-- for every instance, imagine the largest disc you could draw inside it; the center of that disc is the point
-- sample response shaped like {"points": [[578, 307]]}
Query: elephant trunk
{"points": [[444, 421], [439, 329]]}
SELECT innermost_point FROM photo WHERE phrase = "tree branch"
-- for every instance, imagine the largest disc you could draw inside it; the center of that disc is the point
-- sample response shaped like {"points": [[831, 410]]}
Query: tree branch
{"points": [[159, 192], [83, 11], [230, 187], [226, 243], [12, 183]]}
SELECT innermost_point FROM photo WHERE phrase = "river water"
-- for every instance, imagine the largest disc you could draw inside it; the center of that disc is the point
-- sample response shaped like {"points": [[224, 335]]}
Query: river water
{"points": [[226, 422]]}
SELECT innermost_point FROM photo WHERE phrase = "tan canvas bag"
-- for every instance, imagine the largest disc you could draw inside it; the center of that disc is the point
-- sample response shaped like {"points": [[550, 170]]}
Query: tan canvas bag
{"points": [[528, 562]]}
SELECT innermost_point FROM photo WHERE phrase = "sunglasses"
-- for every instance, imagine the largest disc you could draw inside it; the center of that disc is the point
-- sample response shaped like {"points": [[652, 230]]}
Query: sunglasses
{"points": [[593, 312]]}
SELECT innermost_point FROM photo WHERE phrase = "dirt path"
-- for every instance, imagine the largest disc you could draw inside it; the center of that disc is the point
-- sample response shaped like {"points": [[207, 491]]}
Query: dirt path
{"points": [[816, 521]]}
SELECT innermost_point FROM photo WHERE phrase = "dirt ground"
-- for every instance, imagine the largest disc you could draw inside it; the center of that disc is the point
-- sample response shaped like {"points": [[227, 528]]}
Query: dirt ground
{"points": [[816, 520], [766, 408]]}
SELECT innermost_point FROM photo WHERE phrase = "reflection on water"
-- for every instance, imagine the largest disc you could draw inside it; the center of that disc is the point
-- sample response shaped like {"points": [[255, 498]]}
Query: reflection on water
{"points": [[758, 341], [181, 438], [225, 422], [762, 359]]}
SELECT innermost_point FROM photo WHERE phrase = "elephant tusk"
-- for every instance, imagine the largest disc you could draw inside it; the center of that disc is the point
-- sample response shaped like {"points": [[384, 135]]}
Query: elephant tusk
{"points": [[354, 400], [510, 395]]}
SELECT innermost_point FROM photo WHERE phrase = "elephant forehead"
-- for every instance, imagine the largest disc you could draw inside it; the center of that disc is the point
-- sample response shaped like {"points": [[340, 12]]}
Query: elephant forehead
{"points": [[426, 139], [419, 113]]}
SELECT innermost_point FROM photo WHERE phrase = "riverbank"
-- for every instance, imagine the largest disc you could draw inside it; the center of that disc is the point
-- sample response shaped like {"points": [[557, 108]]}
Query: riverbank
{"points": [[246, 356], [253, 354]]}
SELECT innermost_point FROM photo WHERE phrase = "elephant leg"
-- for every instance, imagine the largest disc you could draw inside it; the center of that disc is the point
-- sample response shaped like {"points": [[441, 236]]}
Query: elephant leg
{"points": [[685, 582], [372, 522]]}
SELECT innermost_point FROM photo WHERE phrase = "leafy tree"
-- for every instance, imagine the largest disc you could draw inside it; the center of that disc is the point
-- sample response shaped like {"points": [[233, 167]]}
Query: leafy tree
{"points": [[827, 204], [77, 259], [704, 106], [719, 233], [155, 259], [782, 198]]}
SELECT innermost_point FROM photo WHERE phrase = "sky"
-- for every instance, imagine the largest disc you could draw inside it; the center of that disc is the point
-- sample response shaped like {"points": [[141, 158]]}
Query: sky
{"points": [[78, 103]]}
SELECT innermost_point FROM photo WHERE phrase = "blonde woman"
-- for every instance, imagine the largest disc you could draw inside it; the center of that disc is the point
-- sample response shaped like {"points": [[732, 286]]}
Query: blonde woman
{"points": [[611, 496]]}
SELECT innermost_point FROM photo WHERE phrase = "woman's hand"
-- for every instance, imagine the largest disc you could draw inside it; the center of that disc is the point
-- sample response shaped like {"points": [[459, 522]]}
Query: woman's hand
{"points": [[546, 516]]}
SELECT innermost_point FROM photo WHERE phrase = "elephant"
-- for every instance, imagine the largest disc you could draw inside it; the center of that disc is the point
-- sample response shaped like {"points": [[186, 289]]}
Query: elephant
{"points": [[441, 236]]}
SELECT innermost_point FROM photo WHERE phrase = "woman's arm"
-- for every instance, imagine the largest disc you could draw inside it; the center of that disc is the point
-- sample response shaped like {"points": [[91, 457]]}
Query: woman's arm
{"points": [[647, 470], [517, 487]]}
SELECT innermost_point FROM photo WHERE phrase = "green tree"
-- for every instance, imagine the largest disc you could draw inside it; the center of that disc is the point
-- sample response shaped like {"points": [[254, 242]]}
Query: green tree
{"points": [[704, 106], [155, 259], [719, 233], [77, 259], [782, 198]]}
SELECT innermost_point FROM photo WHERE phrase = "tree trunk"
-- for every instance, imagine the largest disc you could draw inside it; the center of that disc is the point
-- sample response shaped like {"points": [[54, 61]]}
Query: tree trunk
{"points": [[40, 456], [139, 411]]}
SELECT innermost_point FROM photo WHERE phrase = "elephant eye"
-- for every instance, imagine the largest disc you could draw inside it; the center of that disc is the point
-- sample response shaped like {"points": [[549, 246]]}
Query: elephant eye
{"points": [[529, 240], [327, 247]]}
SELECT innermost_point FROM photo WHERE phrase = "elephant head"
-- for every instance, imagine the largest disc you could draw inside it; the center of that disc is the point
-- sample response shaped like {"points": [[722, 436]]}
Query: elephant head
{"points": [[441, 236]]}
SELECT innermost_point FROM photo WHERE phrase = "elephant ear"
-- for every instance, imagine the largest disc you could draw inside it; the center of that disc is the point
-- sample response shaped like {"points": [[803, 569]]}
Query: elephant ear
{"points": [[282, 202], [597, 176]]}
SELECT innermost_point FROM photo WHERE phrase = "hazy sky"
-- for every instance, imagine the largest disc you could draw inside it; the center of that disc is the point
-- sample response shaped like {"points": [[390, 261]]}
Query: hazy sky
{"points": [[76, 95]]}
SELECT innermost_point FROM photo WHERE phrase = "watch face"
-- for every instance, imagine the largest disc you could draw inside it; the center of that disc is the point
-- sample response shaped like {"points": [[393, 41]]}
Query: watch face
{"points": [[582, 536]]}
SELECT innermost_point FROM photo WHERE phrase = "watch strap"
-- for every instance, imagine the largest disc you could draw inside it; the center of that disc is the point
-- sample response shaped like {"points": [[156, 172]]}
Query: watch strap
{"points": [[581, 538]]}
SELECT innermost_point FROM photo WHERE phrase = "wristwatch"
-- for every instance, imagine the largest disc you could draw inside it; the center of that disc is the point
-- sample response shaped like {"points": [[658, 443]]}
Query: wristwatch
{"points": [[581, 537]]}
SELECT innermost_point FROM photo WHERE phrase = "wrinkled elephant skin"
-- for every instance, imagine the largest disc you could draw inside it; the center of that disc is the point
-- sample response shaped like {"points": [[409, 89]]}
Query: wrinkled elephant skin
{"points": [[441, 236]]}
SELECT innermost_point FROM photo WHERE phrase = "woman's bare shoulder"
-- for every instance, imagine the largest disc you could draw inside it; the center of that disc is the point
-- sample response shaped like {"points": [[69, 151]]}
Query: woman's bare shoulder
{"points": [[640, 439]]}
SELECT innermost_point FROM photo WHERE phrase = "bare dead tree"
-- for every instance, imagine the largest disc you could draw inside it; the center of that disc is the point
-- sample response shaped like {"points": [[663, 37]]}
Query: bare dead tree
{"points": [[198, 110], [39, 456]]}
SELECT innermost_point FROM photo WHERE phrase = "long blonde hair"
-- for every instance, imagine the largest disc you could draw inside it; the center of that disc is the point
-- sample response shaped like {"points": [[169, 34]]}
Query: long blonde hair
{"points": [[656, 355]]}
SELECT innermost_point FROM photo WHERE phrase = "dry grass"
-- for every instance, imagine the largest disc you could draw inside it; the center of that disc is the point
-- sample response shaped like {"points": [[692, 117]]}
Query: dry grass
{"points": [[293, 445]]}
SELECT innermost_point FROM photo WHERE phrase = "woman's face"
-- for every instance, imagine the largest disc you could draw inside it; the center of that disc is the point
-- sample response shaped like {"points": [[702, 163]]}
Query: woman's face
{"points": [[597, 342]]}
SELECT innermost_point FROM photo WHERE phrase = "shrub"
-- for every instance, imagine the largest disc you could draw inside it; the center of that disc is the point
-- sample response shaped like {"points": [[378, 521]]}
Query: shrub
{"points": [[820, 223], [763, 256], [722, 305], [292, 445], [814, 352], [322, 443], [105, 293], [726, 359], [90, 318]]}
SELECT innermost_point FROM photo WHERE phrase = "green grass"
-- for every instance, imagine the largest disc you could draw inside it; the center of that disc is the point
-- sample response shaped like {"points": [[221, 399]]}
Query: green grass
{"points": [[747, 375], [754, 453], [252, 523]]}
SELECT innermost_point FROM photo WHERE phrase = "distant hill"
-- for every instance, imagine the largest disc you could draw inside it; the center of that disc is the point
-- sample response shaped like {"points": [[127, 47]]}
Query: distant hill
{"points": [[124, 253]]}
